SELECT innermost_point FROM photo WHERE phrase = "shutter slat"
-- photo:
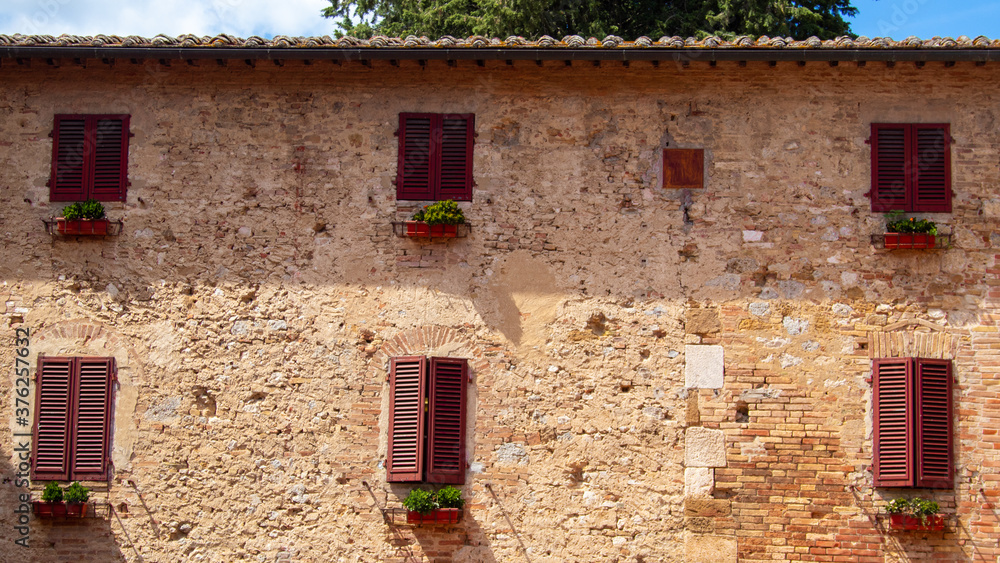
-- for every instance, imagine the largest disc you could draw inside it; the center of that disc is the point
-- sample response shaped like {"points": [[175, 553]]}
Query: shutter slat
{"points": [[68, 159], [889, 167], [50, 448], [415, 175], [446, 434], [893, 421], [934, 426], [456, 158], [407, 388]]}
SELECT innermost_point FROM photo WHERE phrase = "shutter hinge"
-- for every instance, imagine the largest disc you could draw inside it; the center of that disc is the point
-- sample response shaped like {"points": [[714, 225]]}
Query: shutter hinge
{"points": [[427, 404], [395, 133], [52, 133], [868, 141]]}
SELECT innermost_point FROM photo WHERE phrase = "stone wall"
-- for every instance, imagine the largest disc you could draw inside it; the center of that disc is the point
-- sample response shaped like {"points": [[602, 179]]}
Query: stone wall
{"points": [[658, 375]]}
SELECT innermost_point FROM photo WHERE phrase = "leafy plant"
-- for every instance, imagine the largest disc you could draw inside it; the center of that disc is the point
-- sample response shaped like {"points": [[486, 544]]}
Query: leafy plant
{"points": [[90, 209], [896, 223], [444, 212], [898, 506], [420, 501], [77, 493], [450, 497], [923, 507], [52, 493]]}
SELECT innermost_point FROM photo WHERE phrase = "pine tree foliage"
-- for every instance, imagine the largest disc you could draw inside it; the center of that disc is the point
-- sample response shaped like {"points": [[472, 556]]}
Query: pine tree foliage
{"points": [[591, 18]]}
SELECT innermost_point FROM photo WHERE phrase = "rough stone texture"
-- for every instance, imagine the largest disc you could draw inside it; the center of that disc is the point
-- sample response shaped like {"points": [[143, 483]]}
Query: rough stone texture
{"points": [[699, 481], [259, 292], [707, 548], [702, 321], [703, 366], [704, 447]]}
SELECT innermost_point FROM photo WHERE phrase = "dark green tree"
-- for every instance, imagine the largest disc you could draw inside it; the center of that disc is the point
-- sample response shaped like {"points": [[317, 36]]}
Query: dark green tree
{"points": [[591, 18]]}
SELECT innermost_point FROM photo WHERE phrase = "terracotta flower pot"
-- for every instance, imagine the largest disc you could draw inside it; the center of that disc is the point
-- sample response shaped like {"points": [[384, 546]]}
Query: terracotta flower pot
{"points": [[421, 229], [84, 227], [48, 509], [908, 522], [436, 516], [909, 241], [76, 509]]}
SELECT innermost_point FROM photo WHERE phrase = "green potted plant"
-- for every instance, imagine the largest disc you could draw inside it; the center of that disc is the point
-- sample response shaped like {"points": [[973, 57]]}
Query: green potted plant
{"points": [[444, 506], [76, 500], [51, 503], [85, 218], [439, 219], [914, 514], [909, 233]]}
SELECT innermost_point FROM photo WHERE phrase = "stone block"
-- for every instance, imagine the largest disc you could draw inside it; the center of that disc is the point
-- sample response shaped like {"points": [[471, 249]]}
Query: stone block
{"points": [[702, 321], [703, 366], [704, 447], [699, 481], [705, 548], [706, 507]]}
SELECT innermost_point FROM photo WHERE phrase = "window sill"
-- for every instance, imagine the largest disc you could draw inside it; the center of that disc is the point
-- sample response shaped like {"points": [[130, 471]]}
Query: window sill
{"points": [[83, 227]]}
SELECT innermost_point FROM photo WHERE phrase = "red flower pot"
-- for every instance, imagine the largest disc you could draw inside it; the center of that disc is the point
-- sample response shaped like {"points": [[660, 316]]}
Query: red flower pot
{"points": [[421, 229], [48, 509], [85, 227], [76, 509], [907, 522], [436, 516], [909, 241]]}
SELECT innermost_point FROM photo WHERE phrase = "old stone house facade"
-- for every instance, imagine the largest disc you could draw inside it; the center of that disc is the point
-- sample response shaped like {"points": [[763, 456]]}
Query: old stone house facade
{"points": [[671, 330]]}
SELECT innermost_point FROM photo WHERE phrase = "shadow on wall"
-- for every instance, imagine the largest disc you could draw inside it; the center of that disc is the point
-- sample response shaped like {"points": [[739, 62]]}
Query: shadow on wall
{"points": [[465, 543]]}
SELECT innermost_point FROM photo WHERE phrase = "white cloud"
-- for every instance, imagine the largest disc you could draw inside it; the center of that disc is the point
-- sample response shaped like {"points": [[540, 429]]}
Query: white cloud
{"points": [[242, 18]]}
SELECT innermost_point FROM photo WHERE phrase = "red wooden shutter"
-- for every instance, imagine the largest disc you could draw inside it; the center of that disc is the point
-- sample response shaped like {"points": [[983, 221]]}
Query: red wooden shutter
{"points": [[407, 392], [890, 165], [683, 168], [893, 418], [455, 157], [931, 168], [69, 170], [446, 437], [53, 398], [110, 160], [92, 408], [934, 424], [415, 176]]}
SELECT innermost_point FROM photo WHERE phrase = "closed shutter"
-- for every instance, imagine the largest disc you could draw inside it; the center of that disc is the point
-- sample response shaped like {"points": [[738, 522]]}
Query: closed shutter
{"points": [[890, 178], [407, 388], [446, 438], [415, 176], [683, 168], [893, 420], [455, 161], [110, 159], [53, 398], [69, 170], [92, 407], [931, 169], [934, 424], [89, 158]]}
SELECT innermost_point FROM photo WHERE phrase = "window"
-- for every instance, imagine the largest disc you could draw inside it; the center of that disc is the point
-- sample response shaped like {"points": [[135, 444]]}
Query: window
{"points": [[911, 167], [73, 418], [427, 420], [912, 414], [89, 158], [435, 156], [684, 168]]}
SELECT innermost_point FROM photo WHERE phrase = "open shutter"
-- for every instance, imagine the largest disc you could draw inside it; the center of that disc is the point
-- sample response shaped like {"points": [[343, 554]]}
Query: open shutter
{"points": [[931, 168], [53, 397], [446, 436], [92, 408], [890, 164], [893, 418], [455, 157], [934, 424], [415, 174], [69, 162], [407, 389], [110, 160]]}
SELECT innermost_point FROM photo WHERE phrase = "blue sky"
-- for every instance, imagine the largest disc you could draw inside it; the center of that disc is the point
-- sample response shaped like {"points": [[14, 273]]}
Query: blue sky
{"points": [[893, 18]]}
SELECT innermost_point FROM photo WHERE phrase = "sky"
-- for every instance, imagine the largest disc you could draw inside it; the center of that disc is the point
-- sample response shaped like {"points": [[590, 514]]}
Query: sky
{"points": [[897, 19]]}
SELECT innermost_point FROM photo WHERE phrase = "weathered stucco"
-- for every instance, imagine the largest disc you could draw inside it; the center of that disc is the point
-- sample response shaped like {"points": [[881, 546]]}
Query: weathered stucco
{"points": [[257, 293]]}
